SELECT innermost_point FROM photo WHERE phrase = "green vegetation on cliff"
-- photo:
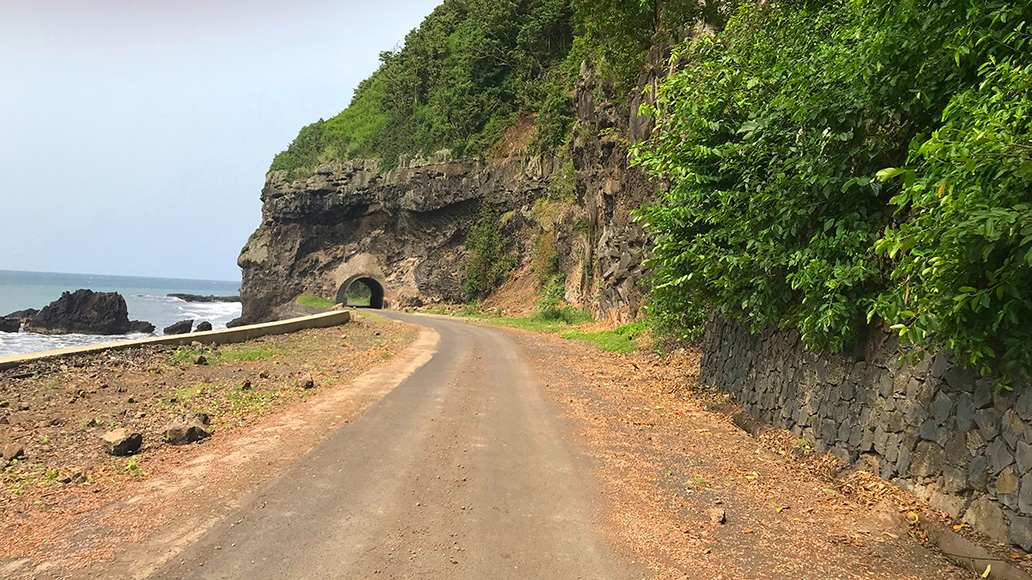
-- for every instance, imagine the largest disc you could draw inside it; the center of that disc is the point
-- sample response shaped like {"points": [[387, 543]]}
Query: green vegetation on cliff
{"points": [[832, 161], [462, 78], [475, 67]]}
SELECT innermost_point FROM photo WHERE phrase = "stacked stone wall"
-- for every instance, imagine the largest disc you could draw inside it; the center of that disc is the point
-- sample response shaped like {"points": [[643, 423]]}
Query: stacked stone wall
{"points": [[932, 428]]}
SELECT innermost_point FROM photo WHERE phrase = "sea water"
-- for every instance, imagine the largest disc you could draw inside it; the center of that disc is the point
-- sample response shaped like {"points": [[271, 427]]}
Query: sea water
{"points": [[146, 299]]}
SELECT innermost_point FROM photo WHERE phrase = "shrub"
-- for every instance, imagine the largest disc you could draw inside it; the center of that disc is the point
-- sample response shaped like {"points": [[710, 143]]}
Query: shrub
{"points": [[771, 139], [489, 261]]}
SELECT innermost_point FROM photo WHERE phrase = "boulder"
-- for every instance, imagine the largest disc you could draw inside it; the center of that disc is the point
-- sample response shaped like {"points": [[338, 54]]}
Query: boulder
{"points": [[9, 325], [181, 327], [185, 430], [236, 322], [121, 442], [82, 312], [203, 327], [141, 326], [307, 381]]}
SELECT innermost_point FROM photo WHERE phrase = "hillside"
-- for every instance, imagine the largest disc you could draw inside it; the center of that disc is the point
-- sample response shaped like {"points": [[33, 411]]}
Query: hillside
{"points": [[824, 163]]}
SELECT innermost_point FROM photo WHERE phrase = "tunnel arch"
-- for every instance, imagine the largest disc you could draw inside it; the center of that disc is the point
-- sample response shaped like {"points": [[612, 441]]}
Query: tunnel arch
{"points": [[375, 286]]}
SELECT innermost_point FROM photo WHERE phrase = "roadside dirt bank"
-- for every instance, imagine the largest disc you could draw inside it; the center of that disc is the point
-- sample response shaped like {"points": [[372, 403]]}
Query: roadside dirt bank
{"points": [[696, 497], [155, 502]]}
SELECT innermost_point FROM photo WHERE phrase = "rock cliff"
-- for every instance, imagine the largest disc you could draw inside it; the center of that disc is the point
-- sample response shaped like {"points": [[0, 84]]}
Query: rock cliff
{"points": [[405, 229]]}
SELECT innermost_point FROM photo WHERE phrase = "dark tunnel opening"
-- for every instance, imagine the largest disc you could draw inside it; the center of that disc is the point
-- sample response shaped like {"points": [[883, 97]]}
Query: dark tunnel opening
{"points": [[363, 292]]}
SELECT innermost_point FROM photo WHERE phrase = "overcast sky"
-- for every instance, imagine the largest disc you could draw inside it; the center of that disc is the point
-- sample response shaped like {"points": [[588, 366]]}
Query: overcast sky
{"points": [[135, 135]]}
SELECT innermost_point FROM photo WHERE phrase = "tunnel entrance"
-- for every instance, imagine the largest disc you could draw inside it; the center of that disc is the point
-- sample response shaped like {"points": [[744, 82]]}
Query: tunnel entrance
{"points": [[361, 291]]}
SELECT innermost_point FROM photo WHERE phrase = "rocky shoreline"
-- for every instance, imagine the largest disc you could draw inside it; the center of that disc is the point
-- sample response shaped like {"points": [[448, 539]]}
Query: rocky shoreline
{"points": [[98, 313]]}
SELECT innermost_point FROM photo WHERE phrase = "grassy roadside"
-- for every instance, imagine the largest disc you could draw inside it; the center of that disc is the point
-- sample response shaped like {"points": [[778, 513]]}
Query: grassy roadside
{"points": [[568, 322]]}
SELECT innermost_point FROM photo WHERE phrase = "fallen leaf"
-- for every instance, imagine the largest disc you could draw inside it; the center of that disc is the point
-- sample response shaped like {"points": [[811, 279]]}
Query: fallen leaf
{"points": [[747, 531], [988, 569], [781, 509], [958, 526], [1015, 556]]}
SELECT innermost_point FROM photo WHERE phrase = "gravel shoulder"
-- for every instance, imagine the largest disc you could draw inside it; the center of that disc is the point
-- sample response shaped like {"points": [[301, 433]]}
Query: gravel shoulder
{"points": [[154, 502], [693, 496]]}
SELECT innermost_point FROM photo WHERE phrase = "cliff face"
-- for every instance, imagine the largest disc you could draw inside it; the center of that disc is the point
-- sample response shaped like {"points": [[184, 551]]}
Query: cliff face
{"points": [[406, 228]]}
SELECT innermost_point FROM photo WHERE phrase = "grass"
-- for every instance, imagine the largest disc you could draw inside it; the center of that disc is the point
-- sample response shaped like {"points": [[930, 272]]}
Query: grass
{"points": [[184, 395], [623, 339], [309, 300], [225, 355], [564, 321], [246, 403], [555, 320], [131, 468], [370, 316], [359, 300]]}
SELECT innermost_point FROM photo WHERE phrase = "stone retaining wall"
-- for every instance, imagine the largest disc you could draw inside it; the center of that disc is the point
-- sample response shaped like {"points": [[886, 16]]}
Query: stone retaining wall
{"points": [[933, 428]]}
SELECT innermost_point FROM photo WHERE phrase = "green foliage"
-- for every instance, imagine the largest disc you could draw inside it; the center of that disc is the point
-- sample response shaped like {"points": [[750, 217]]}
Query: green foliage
{"points": [[461, 78], [359, 294], [771, 139], [309, 300], [489, 261], [616, 35], [562, 187], [623, 339], [963, 256]]}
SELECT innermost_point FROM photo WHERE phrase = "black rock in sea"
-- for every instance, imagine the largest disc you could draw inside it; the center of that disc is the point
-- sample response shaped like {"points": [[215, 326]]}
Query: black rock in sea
{"points": [[83, 312], [22, 316], [141, 326], [181, 327], [200, 298], [203, 327], [9, 325]]}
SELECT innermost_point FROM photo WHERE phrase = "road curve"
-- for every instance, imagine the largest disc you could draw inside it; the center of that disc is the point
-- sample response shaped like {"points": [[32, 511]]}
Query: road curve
{"points": [[462, 471]]}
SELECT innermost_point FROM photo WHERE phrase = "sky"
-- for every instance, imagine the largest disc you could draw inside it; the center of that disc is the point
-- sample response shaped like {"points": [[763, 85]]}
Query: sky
{"points": [[135, 135]]}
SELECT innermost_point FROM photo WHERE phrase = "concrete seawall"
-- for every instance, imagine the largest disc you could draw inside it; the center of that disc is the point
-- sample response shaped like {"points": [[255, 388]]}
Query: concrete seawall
{"points": [[225, 336]]}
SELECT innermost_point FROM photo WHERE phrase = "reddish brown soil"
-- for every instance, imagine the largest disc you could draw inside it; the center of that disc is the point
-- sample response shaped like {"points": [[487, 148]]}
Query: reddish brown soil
{"points": [[668, 457], [46, 523]]}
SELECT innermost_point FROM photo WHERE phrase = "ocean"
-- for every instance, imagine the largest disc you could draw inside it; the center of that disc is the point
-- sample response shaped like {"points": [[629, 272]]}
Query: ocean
{"points": [[146, 299]]}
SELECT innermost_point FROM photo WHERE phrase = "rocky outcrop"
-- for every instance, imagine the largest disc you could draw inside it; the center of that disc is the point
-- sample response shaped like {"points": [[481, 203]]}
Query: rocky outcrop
{"points": [[404, 228], [203, 327], [141, 326], [204, 299], [181, 327], [22, 316], [608, 189], [9, 325], [82, 312]]}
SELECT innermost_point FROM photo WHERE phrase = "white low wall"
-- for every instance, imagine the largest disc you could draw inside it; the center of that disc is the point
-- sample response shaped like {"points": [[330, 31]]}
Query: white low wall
{"points": [[225, 336]]}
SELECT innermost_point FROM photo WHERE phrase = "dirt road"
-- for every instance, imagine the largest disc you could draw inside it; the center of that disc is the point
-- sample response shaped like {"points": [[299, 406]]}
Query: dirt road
{"points": [[462, 471]]}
